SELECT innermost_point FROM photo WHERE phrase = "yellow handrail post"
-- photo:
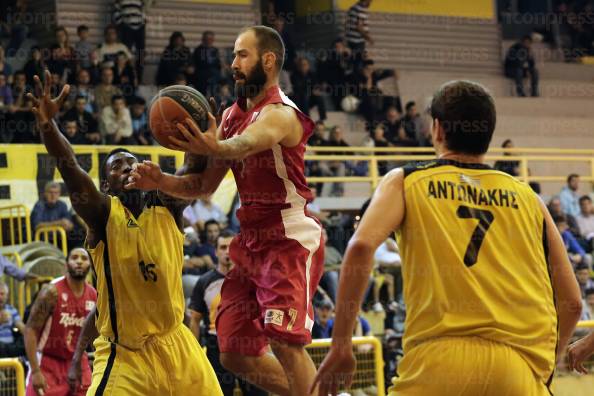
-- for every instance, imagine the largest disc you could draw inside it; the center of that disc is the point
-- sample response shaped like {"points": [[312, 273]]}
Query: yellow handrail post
{"points": [[524, 169], [19, 377], [43, 234], [374, 173]]}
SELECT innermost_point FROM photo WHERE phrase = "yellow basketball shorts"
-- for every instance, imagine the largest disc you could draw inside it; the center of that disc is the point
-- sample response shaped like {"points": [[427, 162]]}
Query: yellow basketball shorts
{"points": [[169, 365], [465, 366]]}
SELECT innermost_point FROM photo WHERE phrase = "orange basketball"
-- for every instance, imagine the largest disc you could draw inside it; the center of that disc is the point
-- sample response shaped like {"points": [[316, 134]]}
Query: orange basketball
{"points": [[172, 105]]}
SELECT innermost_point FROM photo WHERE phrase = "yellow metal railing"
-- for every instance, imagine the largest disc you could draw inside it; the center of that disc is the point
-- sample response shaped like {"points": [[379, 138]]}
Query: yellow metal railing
{"points": [[12, 378], [33, 286], [16, 220], [55, 235], [369, 375]]}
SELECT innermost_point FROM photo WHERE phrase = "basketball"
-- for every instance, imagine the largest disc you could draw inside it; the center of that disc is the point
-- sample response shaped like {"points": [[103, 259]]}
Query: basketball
{"points": [[172, 105]]}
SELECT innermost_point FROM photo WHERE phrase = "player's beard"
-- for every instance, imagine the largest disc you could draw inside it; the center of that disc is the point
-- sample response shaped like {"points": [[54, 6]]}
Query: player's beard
{"points": [[253, 82], [77, 275]]}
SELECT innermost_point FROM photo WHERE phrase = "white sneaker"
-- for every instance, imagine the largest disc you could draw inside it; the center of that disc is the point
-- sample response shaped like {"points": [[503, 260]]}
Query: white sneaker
{"points": [[378, 307]]}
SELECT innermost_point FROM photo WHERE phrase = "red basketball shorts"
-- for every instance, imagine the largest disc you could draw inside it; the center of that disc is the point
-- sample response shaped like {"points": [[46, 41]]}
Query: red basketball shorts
{"points": [[268, 293]]}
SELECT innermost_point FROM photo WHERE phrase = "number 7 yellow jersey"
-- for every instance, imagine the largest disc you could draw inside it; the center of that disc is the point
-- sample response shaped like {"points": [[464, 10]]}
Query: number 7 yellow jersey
{"points": [[475, 262]]}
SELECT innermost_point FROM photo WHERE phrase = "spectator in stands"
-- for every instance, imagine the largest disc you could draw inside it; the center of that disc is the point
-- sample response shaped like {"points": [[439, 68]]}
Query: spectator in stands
{"points": [[124, 76], [519, 63], [83, 88], [6, 99], [582, 273], [379, 140], [62, 59], [17, 25], [130, 19], [196, 262], [393, 128], [20, 88], [336, 70], [5, 68], [314, 208], [585, 220], [569, 196], [50, 211], [306, 89], [115, 123], [554, 207], [140, 127], [9, 318], [23, 127], [71, 131], [83, 48], [8, 268], [201, 211], [279, 25], [35, 66], [174, 59], [510, 167], [590, 302], [212, 230], [332, 261], [106, 90], [357, 30], [373, 101], [414, 125], [324, 311], [207, 65], [108, 50], [86, 124], [337, 168], [577, 254]]}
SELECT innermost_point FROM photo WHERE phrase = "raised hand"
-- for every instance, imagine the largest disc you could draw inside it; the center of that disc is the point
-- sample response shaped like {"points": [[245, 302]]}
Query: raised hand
{"points": [[145, 176], [44, 107]]}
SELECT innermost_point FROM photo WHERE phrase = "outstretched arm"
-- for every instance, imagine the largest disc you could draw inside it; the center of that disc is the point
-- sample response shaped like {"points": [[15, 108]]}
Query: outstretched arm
{"points": [[87, 334], [90, 204]]}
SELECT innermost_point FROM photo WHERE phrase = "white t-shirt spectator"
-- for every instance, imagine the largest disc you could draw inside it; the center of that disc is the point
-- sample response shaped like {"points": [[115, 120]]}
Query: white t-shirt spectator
{"points": [[386, 255], [110, 122], [586, 225], [202, 212]]}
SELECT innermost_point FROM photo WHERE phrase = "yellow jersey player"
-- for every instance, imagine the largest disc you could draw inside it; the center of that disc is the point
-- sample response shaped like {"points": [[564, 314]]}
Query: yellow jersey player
{"points": [[490, 293], [142, 347]]}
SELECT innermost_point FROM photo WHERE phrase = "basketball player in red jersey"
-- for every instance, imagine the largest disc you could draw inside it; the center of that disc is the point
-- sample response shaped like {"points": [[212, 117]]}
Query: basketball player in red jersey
{"points": [[266, 300], [53, 327]]}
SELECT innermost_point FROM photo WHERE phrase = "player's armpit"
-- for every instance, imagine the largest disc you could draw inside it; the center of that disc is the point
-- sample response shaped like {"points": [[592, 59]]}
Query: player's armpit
{"points": [[277, 125], [565, 287]]}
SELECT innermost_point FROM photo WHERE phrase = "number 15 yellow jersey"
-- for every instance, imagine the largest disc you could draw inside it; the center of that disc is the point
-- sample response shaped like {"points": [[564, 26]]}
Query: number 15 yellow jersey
{"points": [[475, 262]]}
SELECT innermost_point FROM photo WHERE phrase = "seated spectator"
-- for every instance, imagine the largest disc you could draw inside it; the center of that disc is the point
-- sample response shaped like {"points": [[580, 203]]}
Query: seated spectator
{"points": [[50, 211], [337, 168], [323, 313], [388, 261], [207, 65], [394, 131], [313, 207], [577, 254], [86, 124], [585, 221], [10, 269], [510, 167], [109, 49], [373, 101], [23, 127], [569, 196], [6, 99], [336, 70], [379, 140], [83, 88], [72, 133], [414, 126], [9, 320], [196, 261], [590, 302], [174, 59], [306, 90], [332, 261], [105, 91], [115, 123], [201, 211], [5, 68], [62, 59], [554, 207], [83, 48], [20, 89], [124, 76], [35, 66], [211, 233], [140, 127], [519, 63], [582, 274]]}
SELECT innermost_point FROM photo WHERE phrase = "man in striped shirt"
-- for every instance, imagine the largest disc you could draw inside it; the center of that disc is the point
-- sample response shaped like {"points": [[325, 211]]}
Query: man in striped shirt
{"points": [[130, 18], [357, 30]]}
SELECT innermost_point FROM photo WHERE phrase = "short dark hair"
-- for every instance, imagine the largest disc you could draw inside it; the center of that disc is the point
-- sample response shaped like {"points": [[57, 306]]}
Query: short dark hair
{"points": [[571, 176], [137, 100], [409, 105], [224, 234], [559, 219], [102, 172], [80, 97], [60, 29], [589, 291], [582, 266], [117, 97], [209, 222], [466, 113], [269, 41], [505, 142], [82, 28], [585, 198]]}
